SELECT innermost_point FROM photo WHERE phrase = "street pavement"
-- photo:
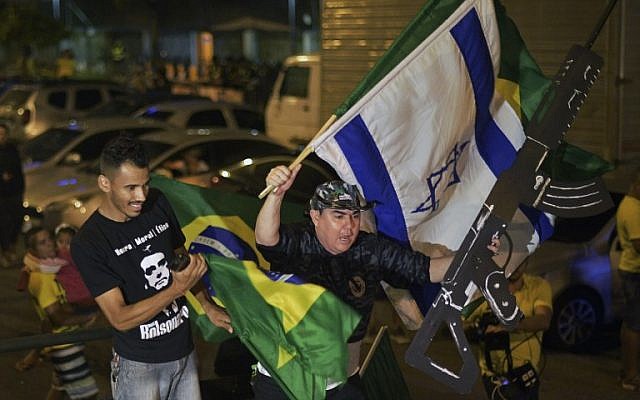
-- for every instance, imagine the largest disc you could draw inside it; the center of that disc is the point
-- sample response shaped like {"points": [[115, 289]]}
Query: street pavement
{"points": [[566, 376]]}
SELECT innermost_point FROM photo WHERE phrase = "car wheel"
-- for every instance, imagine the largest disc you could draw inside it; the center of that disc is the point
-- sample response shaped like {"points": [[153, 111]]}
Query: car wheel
{"points": [[577, 316]]}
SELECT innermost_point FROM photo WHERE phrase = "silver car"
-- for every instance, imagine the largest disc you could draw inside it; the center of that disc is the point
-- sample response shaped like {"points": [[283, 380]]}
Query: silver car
{"points": [[77, 142], [31, 109], [202, 115], [170, 153]]}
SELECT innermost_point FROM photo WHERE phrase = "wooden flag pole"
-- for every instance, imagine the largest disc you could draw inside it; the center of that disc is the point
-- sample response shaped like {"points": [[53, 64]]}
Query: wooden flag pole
{"points": [[303, 154]]}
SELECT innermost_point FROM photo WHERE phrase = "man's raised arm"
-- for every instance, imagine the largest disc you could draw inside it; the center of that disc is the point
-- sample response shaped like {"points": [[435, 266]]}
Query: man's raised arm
{"points": [[268, 221]]}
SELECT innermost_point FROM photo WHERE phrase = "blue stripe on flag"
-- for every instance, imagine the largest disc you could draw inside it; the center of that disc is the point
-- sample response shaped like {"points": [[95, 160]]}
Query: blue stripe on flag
{"points": [[539, 221], [493, 146], [369, 169]]}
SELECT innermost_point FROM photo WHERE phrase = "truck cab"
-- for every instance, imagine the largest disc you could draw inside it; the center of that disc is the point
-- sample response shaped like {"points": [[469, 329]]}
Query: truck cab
{"points": [[293, 110]]}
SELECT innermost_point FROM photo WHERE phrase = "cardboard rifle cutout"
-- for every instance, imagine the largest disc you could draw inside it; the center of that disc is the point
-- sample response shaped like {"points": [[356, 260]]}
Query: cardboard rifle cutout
{"points": [[525, 183]]}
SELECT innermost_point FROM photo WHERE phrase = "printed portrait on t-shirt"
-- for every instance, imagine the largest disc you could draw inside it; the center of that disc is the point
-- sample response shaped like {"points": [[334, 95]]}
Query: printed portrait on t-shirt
{"points": [[156, 271]]}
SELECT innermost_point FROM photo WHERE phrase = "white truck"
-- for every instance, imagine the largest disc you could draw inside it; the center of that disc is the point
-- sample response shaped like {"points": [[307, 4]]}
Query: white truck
{"points": [[293, 111]]}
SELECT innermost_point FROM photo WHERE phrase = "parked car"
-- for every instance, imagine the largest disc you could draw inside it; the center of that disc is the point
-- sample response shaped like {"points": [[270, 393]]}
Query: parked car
{"points": [[127, 106], [247, 176], [580, 262], [168, 152], [52, 158], [34, 107], [203, 115], [76, 142]]}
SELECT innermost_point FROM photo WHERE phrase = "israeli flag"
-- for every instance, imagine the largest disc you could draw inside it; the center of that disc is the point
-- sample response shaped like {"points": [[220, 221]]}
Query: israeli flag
{"points": [[428, 142]]}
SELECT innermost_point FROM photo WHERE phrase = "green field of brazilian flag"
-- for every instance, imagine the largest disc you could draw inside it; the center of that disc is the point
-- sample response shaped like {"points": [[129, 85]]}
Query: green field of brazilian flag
{"points": [[298, 331]]}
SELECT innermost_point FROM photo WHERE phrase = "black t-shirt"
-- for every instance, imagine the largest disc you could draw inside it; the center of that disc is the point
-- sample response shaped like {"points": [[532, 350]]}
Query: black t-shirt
{"points": [[354, 276], [133, 256]]}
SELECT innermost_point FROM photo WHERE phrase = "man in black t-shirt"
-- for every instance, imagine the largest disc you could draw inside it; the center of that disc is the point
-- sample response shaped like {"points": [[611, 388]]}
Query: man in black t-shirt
{"points": [[331, 251], [123, 252]]}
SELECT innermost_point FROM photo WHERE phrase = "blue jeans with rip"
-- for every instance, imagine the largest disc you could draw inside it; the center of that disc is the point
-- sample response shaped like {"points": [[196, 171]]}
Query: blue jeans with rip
{"points": [[173, 380]]}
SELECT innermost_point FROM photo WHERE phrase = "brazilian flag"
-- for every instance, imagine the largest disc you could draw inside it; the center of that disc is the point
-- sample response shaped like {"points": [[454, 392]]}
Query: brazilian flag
{"points": [[522, 83], [298, 331]]}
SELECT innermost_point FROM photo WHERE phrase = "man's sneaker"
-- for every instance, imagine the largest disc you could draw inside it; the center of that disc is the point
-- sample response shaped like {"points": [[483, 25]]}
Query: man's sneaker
{"points": [[631, 384]]}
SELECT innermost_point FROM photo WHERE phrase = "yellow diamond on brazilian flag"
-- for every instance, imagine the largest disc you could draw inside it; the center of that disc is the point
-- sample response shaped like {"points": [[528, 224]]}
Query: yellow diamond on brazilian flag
{"points": [[298, 331]]}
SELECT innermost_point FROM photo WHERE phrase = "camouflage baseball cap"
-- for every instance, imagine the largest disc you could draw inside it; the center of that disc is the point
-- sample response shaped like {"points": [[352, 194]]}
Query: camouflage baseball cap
{"points": [[338, 194]]}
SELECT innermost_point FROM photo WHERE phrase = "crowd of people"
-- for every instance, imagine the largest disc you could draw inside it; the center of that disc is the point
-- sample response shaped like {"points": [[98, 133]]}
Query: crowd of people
{"points": [[118, 265], [253, 79]]}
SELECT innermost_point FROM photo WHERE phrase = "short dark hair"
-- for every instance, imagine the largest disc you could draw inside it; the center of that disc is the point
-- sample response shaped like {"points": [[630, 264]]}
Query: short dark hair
{"points": [[124, 148], [29, 237]]}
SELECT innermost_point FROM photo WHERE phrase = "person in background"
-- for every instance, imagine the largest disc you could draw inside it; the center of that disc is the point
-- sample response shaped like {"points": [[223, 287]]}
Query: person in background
{"points": [[517, 350], [11, 194], [69, 277], [72, 374], [65, 64], [76, 293], [628, 226], [330, 251]]}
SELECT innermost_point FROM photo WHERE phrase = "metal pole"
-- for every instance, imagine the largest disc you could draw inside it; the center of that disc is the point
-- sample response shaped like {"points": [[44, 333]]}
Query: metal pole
{"points": [[292, 26], [55, 4], [52, 339], [600, 24]]}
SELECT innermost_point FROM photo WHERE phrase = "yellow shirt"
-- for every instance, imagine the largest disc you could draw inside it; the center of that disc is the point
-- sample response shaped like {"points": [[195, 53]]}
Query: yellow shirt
{"points": [[65, 67], [628, 225], [45, 291], [525, 346]]}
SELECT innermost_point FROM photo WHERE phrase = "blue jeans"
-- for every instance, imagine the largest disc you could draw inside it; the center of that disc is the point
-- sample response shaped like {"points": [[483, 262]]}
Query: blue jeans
{"points": [[150, 381]]}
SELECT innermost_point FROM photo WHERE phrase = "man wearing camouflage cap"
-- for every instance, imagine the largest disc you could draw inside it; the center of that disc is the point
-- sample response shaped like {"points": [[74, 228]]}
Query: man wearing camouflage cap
{"points": [[330, 251]]}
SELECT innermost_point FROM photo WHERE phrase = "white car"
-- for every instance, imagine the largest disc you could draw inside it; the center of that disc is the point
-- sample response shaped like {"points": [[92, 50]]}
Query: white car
{"points": [[168, 152], [200, 116], [32, 108], [76, 142]]}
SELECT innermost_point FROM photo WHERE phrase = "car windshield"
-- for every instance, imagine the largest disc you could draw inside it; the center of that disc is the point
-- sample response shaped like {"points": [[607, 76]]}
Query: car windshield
{"points": [[47, 144], [123, 107], [15, 98]]}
